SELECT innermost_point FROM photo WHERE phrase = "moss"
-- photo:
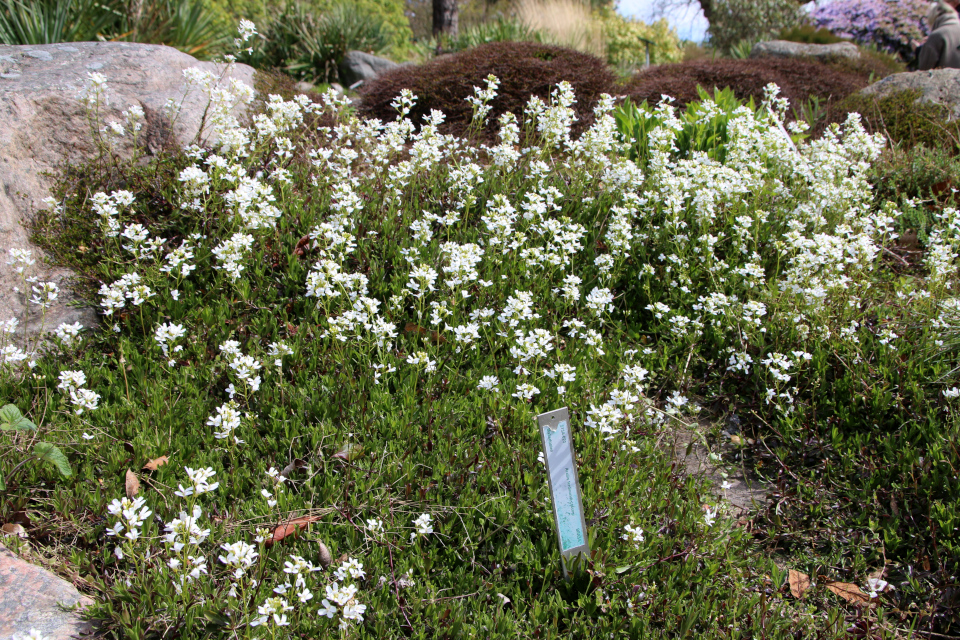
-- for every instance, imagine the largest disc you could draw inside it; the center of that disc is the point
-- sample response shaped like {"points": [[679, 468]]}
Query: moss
{"points": [[809, 34], [524, 68], [905, 120]]}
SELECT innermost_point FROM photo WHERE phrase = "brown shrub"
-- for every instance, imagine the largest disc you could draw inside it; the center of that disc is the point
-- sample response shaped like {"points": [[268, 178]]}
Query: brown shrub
{"points": [[524, 69], [798, 80]]}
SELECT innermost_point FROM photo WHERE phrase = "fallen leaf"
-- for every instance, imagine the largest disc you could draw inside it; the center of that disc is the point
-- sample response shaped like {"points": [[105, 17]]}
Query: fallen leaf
{"points": [[908, 240], [132, 484], [293, 466], [14, 529], [736, 440], [849, 592], [799, 583], [435, 337], [290, 529], [156, 463], [349, 452], [301, 247], [325, 557]]}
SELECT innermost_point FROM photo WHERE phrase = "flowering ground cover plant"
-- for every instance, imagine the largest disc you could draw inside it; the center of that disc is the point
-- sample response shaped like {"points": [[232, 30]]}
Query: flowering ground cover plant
{"points": [[310, 408]]}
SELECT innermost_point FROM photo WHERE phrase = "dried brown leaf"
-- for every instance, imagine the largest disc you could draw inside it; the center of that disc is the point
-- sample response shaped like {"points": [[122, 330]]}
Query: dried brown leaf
{"points": [[849, 592], [297, 463], [435, 337], [132, 484], [349, 452], [301, 247], [156, 463], [799, 583], [325, 557], [290, 529]]}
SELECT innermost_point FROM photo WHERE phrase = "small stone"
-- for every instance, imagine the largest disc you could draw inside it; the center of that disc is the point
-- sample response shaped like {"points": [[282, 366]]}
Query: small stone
{"points": [[93, 66], [822, 52], [39, 55], [357, 67], [33, 598], [9, 76]]}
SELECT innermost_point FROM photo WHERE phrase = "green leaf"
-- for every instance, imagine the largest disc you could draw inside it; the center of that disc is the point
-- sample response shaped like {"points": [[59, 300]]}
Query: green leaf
{"points": [[11, 418], [49, 453]]}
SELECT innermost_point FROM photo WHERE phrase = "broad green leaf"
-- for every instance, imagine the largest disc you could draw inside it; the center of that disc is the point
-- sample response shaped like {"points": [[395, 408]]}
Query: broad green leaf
{"points": [[11, 418], [49, 453]]}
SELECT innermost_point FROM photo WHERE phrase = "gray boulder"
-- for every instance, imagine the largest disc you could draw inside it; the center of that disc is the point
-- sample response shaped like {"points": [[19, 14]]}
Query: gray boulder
{"points": [[939, 86], [823, 52], [45, 126], [33, 598], [358, 66]]}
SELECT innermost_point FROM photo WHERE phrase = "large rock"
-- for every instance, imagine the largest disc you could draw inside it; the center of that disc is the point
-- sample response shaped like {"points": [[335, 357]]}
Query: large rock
{"points": [[33, 598], [940, 86], [45, 126], [358, 66], [822, 52]]}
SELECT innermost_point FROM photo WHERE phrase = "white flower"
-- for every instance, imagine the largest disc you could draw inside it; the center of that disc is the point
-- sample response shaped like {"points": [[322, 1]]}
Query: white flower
{"points": [[525, 391], [489, 383], [709, 516], [953, 392], [876, 586], [423, 525], [32, 635], [633, 535], [199, 479], [69, 334]]}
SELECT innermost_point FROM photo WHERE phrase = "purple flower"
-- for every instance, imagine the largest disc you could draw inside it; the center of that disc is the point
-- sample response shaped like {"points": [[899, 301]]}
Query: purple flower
{"points": [[896, 27]]}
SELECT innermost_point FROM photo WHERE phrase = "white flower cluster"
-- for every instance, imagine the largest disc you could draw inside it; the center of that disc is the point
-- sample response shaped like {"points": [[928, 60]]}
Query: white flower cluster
{"points": [[128, 287], [71, 382], [109, 208], [131, 514]]}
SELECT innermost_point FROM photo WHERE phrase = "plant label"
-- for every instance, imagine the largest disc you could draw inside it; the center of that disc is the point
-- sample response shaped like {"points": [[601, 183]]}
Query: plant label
{"points": [[564, 483]]}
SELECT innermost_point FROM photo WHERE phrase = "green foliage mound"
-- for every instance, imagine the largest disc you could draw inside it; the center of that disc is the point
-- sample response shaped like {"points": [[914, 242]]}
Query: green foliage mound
{"points": [[309, 45], [702, 126], [809, 34], [499, 30], [903, 118], [624, 41], [188, 25], [741, 23], [524, 68], [390, 13]]}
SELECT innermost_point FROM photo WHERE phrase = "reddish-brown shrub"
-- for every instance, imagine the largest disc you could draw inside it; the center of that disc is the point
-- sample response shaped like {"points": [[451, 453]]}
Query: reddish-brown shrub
{"points": [[524, 69], [797, 79]]}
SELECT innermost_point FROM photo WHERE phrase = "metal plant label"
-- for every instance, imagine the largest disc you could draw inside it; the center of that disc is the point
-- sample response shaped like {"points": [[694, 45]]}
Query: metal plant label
{"points": [[564, 483]]}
